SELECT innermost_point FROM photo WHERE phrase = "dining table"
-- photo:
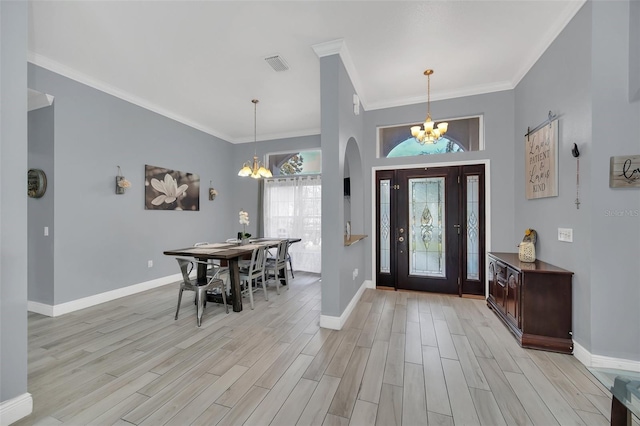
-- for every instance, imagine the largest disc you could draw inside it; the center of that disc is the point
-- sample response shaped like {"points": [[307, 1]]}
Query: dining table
{"points": [[231, 252]]}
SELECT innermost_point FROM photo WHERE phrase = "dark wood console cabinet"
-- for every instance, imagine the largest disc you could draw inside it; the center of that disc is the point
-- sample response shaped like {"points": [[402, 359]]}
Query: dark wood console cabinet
{"points": [[533, 300]]}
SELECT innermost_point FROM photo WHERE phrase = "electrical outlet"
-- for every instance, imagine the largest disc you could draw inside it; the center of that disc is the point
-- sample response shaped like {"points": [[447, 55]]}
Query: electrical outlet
{"points": [[355, 273], [46, 231], [565, 234], [150, 263]]}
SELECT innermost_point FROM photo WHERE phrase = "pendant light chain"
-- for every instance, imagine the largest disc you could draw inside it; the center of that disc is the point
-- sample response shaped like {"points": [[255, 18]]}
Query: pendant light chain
{"points": [[255, 168], [255, 120], [429, 96]]}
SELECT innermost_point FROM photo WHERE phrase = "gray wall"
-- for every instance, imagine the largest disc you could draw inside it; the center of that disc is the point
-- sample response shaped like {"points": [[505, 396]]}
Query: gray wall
{"points": [[615, 240], [560, 81], [585, 77], [103, 241], [40, 210], [339, 126], [13, 199], [497, 110]]}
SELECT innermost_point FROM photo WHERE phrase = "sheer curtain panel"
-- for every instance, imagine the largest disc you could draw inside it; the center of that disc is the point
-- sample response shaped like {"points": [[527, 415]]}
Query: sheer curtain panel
{"points": [[292, 209]]}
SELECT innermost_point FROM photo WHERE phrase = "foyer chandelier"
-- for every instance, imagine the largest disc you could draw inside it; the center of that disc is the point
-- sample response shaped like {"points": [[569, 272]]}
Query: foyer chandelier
{"points": [[255, 168], [428, 134]]}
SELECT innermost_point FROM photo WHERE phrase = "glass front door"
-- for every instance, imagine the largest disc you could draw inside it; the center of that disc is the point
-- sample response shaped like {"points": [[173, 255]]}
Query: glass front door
{"points": [[431, 229]]}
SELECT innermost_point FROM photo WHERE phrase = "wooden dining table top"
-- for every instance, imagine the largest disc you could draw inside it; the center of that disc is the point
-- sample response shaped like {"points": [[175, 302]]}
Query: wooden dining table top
{"points": [[226, 251]]}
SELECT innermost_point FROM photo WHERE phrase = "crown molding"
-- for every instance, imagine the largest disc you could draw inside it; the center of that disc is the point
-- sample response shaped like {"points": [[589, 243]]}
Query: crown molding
{"points": [[273, 136], [58, 68], [339, 47], [37, 100], [327, 48], [463, 92]]}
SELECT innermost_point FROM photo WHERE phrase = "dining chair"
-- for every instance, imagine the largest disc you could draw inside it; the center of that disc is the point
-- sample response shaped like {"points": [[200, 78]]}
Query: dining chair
{"points": [[200, 289], [272, 258], [212, 264], [214, 269], [254, 271], [289, 259], [279, 263]]}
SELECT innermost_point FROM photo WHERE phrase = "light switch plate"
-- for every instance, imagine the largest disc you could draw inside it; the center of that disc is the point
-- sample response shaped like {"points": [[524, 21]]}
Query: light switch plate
{"points": [[565, 234]]}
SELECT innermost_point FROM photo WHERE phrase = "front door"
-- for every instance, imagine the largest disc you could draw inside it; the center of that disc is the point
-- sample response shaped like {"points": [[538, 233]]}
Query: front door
{"points": [[430, 229]]}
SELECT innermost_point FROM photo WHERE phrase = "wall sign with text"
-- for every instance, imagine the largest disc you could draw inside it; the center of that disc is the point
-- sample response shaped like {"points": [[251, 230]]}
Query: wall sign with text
{"points": [[541, 162], [624, 172]]}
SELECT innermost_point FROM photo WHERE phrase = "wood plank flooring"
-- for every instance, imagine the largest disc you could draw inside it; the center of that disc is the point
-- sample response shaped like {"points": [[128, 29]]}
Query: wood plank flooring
{"points": [[401, 359]]}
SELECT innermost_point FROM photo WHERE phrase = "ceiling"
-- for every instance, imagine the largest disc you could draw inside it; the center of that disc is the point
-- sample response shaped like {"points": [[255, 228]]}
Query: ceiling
{"points": [[202, 62]]}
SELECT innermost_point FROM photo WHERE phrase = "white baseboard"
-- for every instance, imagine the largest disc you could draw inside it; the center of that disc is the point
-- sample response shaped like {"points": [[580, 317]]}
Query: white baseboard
{"points": [[600, 361], [336, 323], [16, 408], [581, 354], [86, 302]]}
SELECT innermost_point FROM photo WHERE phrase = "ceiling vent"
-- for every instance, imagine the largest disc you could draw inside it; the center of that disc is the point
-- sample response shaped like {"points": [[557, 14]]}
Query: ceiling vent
{"points": [[277, 63]]}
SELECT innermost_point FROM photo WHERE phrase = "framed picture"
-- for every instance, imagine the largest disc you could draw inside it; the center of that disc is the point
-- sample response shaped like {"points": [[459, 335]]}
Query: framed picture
{"points": [[624, 171], [167, 189], [541, 162]]}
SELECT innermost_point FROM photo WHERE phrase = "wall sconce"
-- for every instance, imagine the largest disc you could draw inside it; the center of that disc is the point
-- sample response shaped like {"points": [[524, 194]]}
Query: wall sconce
{"points": [[212, 192], [121, 182]]}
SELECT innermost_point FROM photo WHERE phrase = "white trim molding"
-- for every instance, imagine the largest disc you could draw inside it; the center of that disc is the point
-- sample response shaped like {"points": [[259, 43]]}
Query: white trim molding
{"points": [[600, 361], [86, 302], [37, 100], [15, 409], [336, 323]]}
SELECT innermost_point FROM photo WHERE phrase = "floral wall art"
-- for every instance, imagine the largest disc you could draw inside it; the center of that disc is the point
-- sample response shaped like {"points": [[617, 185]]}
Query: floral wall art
{"points": [[167, 189]]}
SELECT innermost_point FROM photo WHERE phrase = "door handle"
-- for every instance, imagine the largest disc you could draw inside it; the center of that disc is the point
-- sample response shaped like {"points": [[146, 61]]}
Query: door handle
{"points": [[457, 225]]}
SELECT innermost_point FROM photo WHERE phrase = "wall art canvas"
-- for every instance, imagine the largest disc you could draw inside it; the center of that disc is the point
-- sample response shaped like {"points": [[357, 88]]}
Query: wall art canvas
{"points": [[624, 171], [541, 162], [167, 189]]}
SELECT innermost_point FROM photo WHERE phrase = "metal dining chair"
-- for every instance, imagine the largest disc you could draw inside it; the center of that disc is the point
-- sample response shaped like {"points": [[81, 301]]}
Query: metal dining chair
{"points": [[283, 234], [254, 271], [214, 269], [186, 267], [279, 263], [271, 257]]}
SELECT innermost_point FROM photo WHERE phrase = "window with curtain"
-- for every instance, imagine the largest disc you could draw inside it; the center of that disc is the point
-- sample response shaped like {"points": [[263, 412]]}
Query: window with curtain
{"points": [[292, 209]]}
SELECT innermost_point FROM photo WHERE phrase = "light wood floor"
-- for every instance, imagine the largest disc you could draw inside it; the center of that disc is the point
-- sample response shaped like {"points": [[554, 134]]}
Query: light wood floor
{"points": [[402, 358]]}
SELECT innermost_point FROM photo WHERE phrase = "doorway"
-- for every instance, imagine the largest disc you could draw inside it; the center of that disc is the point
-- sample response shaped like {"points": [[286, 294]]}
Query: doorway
{"points": [[430, 229]]}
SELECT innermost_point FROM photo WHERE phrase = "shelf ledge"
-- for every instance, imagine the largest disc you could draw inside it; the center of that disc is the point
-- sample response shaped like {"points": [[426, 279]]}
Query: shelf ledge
{"points": [[354, 239]]}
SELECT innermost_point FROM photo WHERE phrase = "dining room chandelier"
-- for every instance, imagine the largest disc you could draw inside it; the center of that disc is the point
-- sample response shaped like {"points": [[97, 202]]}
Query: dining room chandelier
{"points": [[427, 133], [254, 168]]}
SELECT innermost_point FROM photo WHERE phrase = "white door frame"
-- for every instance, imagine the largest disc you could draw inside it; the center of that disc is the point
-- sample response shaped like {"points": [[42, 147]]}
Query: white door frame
{"points": [[487, 206]]}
